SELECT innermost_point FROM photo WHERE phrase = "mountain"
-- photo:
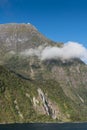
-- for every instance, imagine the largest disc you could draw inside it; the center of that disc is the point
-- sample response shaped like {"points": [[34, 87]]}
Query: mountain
{"points": [[18, 37], [36, 90]]}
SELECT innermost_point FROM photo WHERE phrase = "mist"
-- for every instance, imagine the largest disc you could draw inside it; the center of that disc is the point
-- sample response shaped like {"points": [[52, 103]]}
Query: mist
{"points": [[69, 51]]}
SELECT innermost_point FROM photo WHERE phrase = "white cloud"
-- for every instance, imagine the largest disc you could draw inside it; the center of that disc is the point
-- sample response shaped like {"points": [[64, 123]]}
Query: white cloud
{"points": [[32, 52], [69, 51]]}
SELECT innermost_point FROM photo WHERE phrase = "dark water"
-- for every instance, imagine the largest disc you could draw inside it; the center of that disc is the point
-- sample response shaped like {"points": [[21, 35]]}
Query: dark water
{"points": [[47, 126]]}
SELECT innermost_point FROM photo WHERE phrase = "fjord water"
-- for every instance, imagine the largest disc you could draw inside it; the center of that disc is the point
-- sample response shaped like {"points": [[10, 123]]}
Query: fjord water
{"points": [[45, 126]]}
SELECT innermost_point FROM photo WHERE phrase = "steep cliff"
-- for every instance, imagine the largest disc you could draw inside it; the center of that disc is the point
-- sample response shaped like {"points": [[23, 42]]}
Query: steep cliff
{"points": [[37, 90]]}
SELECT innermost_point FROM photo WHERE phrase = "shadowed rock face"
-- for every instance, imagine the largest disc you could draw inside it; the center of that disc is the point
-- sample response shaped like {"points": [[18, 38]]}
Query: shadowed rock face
{"points": [[49, 89]]}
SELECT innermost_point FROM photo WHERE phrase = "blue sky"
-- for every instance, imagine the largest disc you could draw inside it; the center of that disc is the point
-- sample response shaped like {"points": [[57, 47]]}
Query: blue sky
{"points": [[59, 20]]}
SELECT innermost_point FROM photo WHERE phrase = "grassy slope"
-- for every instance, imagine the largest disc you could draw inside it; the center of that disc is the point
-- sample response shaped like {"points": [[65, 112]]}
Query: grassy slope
{"points": [[13, 89]]}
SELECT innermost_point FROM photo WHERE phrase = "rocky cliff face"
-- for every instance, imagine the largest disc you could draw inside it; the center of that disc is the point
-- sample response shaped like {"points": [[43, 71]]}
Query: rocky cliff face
{"points": [[38, 90], [18, 37]]}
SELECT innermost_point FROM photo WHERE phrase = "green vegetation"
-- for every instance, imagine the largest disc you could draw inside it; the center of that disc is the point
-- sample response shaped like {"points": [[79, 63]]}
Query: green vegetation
{"points": [[62, 85], [15, 106], [14, 95]]}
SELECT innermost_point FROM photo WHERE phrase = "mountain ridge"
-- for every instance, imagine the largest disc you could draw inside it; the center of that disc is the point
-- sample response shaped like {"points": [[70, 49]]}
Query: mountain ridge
{"points": [[35, 90]]}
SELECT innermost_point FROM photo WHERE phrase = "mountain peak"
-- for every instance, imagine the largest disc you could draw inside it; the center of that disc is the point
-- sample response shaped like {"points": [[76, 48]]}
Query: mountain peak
{"points": [[45, 82], [19, 25]]}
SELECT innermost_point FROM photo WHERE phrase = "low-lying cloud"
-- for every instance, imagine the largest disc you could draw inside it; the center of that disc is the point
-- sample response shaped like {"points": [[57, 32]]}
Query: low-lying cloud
{"points": [[69, 51]]}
